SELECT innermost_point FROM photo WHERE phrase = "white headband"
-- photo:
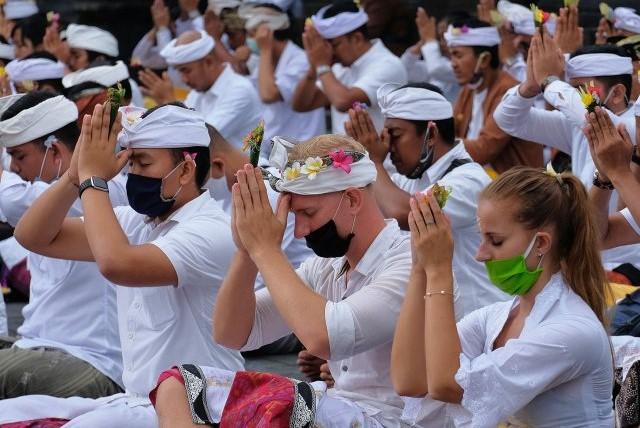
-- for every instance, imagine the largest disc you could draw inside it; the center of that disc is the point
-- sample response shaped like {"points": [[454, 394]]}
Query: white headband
{"points": [[167, 127], [104, 75], [18, 9], [626, 19], [340, 24], [317, 176], [520, 17], [254, 16], [194, 51], [38, 121], [34, 69], [92, 39], [467, 36], [412, 103], [7, 51], [598, 64], [218, 5], [6, 102]]}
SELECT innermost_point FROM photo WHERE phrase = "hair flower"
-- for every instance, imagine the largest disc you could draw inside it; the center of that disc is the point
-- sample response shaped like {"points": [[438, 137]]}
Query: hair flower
{"points": [[341, 160], [312, 166], [540, 17], [292, 172]]}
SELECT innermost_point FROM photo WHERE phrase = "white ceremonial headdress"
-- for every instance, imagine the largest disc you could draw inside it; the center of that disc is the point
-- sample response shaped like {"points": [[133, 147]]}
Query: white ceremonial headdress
{"points": [[38, 121], [104, 75], [34, 69], [467, 36], [412, 103], [167, 127], [256, 15], [92, 39], [626, 19], [194, 51], [6, 102], [19, 9], [337, 171], [340, 24], [217, 6], [598, 64], [520, 17], [7, 51]]}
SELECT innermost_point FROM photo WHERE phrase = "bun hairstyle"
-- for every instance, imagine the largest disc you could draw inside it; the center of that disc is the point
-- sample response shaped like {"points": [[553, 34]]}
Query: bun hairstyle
{"points": [[561, 201]]}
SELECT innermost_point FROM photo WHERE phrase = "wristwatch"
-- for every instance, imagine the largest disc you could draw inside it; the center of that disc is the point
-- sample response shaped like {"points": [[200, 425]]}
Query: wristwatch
{"points": [[93, 182], [322, 69], [547, 81], [601, 184]]}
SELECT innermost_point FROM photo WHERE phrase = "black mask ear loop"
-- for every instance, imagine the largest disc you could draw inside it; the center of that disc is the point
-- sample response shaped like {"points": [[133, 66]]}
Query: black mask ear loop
{"points": [[426, 155]]}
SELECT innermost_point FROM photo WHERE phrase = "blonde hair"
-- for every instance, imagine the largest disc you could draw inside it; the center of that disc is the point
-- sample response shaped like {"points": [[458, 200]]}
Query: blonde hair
{"points": [[562, 202], [322, 145]]}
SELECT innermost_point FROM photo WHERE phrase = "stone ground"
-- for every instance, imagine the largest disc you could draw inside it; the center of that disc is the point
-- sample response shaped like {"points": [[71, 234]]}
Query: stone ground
{"points": [[281, 364]]}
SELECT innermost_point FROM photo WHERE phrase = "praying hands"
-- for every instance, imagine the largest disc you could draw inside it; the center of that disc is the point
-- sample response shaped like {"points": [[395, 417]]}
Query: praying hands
{"points": [[360, 127]]}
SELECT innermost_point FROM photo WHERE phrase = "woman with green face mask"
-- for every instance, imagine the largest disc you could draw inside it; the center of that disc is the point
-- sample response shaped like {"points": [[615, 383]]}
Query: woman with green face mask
{"points": [[542, 359]]}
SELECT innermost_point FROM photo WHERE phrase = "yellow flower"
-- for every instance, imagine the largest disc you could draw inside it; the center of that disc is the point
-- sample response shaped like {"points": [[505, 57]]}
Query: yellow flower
{"points": [[292, 172], [586, 98], [2, 71], [312, 166]]}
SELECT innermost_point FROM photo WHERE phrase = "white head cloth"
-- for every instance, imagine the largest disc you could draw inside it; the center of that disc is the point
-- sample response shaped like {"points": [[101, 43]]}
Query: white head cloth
{"points": [[412, 103], [296, 178], [598, 64], [467, 36], [340, 24], [18, 9], [520, 17], [92, 39], [254, 16], [626, 19], [105, 75], [7, 51], [167, 127], [34, 69], [39, 121], [218, 5], [6, 102], [194, 51]]}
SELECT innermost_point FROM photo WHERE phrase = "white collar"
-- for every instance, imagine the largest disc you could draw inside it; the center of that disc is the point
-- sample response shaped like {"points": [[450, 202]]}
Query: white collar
{"points": [[437, 170], [376, 47]]}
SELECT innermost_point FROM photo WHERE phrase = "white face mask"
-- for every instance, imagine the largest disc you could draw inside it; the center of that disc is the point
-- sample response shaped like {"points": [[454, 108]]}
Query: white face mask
{"points": [[606, 101], [218, 188]]}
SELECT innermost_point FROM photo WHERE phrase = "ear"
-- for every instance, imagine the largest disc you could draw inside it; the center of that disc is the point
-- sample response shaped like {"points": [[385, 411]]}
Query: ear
{"points": [[353, 199], [58, 150], [188, 173], [484, 60], [216, 169], [543, 244]]}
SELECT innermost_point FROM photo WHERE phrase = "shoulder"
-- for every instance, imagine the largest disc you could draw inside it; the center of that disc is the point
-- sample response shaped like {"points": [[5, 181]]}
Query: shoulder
{"points": [[504, 82]]}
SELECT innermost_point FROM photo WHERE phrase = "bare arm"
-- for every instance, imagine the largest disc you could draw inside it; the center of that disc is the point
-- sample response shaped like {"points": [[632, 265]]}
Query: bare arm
{"points": [[339, 95], [308, 96], [267, 88]]}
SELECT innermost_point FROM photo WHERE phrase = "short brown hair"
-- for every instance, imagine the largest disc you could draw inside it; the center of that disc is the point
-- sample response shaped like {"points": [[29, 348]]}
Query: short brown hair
{"points": [[322, 145]]}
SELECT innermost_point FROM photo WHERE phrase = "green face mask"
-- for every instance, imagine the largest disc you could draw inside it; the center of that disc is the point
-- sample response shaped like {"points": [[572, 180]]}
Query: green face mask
{"points": [[512, 275]]}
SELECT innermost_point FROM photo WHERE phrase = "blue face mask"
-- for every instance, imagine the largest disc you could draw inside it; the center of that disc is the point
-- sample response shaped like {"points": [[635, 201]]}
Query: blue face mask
{"points": [[253, 46], [145, 194]]}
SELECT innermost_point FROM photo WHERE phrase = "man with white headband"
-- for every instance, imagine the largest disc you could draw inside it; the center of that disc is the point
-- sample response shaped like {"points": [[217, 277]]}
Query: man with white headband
{"points": [[227, 101], [342, 304], [346, 67], [39, 71], [166, 254], [282, 64], [561, 129], [87, 44], [28, 35], [476, 64], [19, 9], [78, 354]]}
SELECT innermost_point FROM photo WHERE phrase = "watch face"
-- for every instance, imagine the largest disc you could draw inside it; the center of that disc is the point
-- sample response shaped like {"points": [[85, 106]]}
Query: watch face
{"points": [[99, 183]]}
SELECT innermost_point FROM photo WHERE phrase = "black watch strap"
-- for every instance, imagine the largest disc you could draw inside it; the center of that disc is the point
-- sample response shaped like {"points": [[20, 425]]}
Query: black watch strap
{"points": [[635, 156], [95, 183]]}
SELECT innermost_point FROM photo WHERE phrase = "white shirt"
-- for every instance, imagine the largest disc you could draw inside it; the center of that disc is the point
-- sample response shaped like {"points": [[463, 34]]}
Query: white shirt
{"points": [[231, 105], [562, 130], [71, 305], [373, 69], [517, 67], [279, 117], [163, 326], [360, 320], [435, 68], [477, 114], [195, 22], [557, 373], [632, 221], [147, 51], [473, 290]]}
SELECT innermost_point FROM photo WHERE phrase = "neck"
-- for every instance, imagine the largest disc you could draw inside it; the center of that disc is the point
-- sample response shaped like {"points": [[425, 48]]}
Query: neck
{"points": [[187, 194], [528, 300], [363, 48], [488, 79], [215, 74], [440, 149], [618, 108], [366, 232]]}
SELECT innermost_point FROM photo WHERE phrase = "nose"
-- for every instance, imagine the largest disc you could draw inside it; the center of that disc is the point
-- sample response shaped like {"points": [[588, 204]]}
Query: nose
{"points": [[301, 228], [482, 255]]}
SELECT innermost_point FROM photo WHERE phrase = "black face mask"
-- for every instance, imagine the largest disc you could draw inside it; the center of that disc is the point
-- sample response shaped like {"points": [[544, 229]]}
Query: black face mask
{"points": [[145, 195], [325, 240]]}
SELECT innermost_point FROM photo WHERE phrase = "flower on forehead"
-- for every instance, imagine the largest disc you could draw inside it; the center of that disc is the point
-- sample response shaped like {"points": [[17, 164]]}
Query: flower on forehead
{"points": [[540, 17], [312, 166], [292, 172], [341, 160]]}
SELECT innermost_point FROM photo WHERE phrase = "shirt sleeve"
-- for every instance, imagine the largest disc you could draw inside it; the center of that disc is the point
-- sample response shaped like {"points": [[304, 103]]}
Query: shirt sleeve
{"points": [[500, 383], [518, 117], [268, 325], [288, 79], [632, 221], [437, 65], [227, 116], [367, 318], [17, 195], [518, 68], [377, 74], [415, 67]]}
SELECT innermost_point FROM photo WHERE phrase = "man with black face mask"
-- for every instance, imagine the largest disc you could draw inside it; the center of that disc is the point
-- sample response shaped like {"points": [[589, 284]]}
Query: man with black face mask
{"points": [[342, 304], [166, 254]]}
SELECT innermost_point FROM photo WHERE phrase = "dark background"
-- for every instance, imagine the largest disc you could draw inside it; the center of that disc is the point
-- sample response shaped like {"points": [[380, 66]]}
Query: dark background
{"points": [[129, 20]]}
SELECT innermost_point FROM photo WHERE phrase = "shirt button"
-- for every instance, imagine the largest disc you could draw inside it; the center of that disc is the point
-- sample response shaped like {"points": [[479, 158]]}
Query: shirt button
{"points": [[137, 305], [345, 368], [131, 336]]}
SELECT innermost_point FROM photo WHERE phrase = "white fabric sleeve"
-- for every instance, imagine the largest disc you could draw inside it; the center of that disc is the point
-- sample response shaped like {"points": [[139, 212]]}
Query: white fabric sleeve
{"points": [[518, 69], [500, 383], [288, 79], [466, 183], [268, 325], [163, 38], [437, 65], [414, 66], [518, 117], [377, 74], [367, 318], [17, 195], [632, 221], [227, 117]]}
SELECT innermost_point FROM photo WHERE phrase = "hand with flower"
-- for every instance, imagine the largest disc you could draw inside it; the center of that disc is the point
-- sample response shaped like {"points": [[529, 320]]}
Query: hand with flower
{"points": [[569, 35], [591, 96]]}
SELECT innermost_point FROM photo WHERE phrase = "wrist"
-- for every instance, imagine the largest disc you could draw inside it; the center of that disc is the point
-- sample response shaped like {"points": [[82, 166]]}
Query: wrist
{"points": [[263, 253], [440, 274], [322, 69], [528, 89], [621, 178], [67, 178]]}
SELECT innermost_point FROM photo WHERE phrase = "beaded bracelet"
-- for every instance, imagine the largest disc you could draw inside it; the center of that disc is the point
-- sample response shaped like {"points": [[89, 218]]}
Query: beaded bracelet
{"points": [[441, 292]]}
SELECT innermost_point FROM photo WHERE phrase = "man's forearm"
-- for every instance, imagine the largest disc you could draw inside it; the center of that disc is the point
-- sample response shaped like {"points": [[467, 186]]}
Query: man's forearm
{"points": [[304, 94], [393, 201], [338, 94], [267, 87], [600, 202]]}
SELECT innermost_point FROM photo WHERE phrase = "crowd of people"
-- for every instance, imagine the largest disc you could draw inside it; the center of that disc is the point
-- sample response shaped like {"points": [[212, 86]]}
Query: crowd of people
{"points": [[446, 231]]}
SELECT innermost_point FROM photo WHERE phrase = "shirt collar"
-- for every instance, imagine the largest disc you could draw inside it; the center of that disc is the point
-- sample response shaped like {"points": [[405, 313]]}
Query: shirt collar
{"points": [[187, 210], [546, 299], [437, 170], [222, 82], [376, 47]]}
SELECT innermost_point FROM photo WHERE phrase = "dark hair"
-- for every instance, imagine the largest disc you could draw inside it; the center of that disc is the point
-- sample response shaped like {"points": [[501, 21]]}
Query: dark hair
{"points": [[609, 81], [473, 22], [446, 127], [346, 6], [68, 134], [281, 35], [33, 28], [93, 56], [55, 83], [201, 153]]}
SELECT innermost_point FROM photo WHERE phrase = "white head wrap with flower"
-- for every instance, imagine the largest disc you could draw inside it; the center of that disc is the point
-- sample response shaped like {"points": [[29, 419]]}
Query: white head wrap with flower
{"points": [[337, 171]]}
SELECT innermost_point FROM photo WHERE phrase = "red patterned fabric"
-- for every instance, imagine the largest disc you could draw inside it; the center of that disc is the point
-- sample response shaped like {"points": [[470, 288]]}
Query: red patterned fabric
{"points": [[37, 423], [618, 278], [258, 400], [172, 372]]}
